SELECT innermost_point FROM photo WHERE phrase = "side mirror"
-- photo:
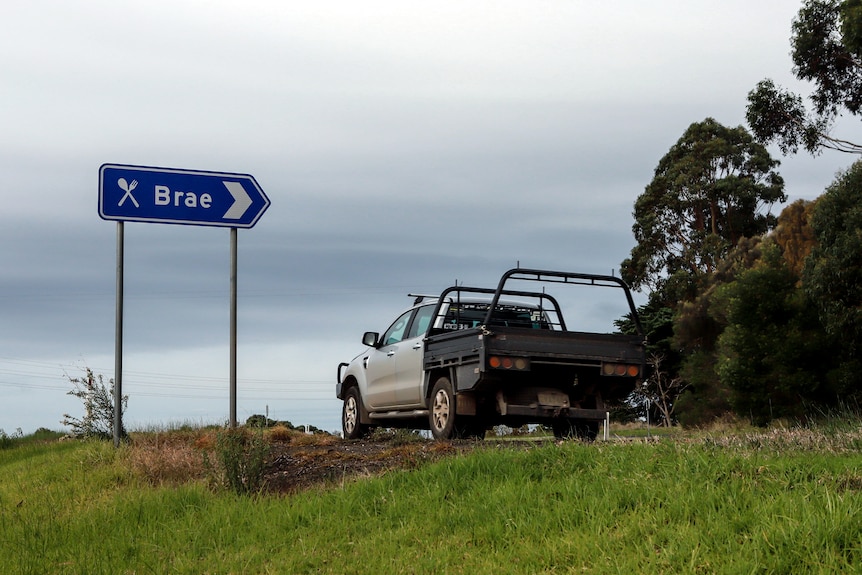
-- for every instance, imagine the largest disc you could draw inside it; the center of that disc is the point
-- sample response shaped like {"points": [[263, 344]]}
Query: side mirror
{"points": [[369, 338]]}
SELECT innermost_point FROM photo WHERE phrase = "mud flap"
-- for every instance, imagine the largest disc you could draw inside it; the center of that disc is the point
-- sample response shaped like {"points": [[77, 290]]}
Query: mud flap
{"points": [[465, 404]]}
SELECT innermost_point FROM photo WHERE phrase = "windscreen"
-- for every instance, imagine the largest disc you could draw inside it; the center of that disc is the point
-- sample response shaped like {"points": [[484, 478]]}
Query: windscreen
{"points": [[469, 315]]}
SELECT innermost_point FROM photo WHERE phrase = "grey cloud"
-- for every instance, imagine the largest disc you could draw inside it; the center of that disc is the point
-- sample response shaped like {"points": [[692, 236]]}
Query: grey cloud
{"points": [[402, 150]]}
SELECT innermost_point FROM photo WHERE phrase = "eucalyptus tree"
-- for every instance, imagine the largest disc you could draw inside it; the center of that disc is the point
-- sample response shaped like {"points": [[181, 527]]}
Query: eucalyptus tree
{"points": [[832, 277], [826, 45], [713, 187]]}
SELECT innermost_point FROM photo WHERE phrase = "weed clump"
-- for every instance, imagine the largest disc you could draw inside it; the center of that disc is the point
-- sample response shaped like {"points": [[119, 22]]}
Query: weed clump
{"points": [[98, 400], [8, 441], [281, 432], [241, 457]]}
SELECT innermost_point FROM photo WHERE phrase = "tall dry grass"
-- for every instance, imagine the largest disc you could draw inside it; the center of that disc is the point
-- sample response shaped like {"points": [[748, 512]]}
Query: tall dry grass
{"points": [[170, 458]]}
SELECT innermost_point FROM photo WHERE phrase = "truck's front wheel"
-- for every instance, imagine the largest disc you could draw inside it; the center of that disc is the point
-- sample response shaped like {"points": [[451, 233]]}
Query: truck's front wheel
{"points": [[350, 410], [441, 411]]}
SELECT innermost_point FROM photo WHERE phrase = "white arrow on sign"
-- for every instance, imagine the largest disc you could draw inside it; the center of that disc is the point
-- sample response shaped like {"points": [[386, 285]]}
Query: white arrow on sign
{"points": [[241, 201]]}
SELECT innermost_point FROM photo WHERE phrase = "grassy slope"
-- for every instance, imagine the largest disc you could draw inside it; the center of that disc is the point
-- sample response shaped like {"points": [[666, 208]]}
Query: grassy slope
{"points": [[751, 505]]}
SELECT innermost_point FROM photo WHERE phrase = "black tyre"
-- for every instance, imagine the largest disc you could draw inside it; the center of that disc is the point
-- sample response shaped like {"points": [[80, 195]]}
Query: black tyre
{"points": [[350, 412], [563, 428], [470, 428], [441, 410]]}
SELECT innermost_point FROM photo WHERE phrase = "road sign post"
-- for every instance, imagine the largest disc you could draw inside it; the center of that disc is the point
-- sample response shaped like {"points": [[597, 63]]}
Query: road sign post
{"points": [[175, 196], [118, 342], [233, 307]]}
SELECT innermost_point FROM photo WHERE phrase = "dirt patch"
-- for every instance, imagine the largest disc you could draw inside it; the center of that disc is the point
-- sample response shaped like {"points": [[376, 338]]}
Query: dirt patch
{"points": [[295, 468], [297, 461]]}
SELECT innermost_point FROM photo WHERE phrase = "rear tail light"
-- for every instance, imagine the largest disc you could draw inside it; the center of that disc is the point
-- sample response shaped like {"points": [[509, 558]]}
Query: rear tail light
{"points": [[621, 369], [508, 363]]}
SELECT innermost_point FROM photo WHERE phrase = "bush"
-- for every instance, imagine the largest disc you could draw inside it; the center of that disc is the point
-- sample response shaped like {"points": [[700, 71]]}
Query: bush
{"points": [[98, 400], [7, 441], [241, 458]]}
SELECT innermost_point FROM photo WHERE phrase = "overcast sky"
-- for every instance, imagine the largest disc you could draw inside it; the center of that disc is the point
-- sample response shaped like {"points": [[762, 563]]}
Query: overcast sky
{"points": [[403, 145]]}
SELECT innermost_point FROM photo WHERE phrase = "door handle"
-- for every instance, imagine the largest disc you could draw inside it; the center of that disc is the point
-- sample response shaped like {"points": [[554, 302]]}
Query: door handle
{"points": [[390, 353], [417, 346]]}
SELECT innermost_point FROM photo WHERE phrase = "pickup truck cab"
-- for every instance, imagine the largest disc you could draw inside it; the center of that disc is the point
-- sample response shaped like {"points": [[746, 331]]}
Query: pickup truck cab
{"points": [[471, 358]]}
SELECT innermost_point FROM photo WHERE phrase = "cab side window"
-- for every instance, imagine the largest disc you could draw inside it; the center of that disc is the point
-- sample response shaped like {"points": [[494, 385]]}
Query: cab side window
{"points": [[421, 321], [395, 333]]}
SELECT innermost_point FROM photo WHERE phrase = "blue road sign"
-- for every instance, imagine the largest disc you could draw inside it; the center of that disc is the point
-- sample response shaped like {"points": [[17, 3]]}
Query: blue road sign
{"points": [[172, 196]]}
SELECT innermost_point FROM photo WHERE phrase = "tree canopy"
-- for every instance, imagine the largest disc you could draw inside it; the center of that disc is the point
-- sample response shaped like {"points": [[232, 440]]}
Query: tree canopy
{"points": [[772, 353], [833, 272], [708, 191], [794, 234], [826, 50], [761, 316]]}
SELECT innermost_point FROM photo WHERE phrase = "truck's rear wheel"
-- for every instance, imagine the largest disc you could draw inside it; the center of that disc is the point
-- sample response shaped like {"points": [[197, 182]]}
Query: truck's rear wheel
{"points": [[441, 410], [350, 411]]}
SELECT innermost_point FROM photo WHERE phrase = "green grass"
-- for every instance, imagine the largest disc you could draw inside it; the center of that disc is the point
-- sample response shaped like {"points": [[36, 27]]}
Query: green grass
{"points": [[764, 502]]}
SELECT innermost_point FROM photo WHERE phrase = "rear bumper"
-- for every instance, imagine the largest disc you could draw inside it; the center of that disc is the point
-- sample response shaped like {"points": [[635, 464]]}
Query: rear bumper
{"points": [[548, 412]]}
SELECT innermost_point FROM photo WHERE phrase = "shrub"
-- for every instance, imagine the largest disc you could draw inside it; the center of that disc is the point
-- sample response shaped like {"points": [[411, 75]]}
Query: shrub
{"points": [[8, 441], [98, 400], [241, 460]]}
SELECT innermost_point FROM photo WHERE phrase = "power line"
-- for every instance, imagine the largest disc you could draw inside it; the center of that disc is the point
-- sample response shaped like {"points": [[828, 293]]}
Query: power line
{"points": [[183, 392], [154, 384], [201, 294]]}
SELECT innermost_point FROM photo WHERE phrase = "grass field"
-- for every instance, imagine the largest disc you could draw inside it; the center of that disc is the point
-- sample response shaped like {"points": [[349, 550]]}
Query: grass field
{"points": [[778, 501]]}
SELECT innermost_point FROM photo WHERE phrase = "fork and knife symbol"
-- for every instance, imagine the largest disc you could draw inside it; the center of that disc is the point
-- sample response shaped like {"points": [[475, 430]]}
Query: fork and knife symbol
{"points": [[127, 187]]}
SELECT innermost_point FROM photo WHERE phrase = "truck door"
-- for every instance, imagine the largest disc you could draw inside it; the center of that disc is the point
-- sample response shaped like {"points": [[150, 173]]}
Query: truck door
{"points": [[410, 359], [380, 365]]}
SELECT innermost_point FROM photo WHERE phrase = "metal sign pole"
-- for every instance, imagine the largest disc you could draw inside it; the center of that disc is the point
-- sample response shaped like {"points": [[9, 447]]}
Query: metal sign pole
{"points": [[177, 196], [233, 267], [118, 343]]}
